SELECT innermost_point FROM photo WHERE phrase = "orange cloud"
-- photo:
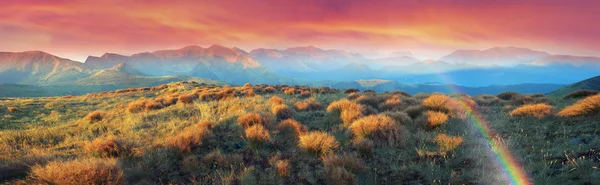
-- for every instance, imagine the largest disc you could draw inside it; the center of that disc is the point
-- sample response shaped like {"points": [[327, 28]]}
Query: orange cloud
{"points": [[82, 27]]}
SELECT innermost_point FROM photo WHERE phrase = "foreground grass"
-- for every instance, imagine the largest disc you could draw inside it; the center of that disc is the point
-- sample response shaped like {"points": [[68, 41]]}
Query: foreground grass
{"points": [[188, 133]]}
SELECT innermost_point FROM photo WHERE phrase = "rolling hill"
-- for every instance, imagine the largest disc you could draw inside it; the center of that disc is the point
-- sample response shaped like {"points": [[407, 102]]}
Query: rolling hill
{"points": [[587, 84]]}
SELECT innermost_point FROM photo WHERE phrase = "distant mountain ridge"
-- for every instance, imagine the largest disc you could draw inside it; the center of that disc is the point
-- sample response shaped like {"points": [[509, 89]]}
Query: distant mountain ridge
{"points": [[496, 55]]}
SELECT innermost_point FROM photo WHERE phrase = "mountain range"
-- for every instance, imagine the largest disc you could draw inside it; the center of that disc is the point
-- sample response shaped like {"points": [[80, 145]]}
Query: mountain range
{"points": [[310, 65]]}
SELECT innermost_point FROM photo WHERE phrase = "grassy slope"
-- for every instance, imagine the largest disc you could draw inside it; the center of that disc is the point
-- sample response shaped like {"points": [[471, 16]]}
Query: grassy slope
{"points": [[588, 84], [51, 129]]}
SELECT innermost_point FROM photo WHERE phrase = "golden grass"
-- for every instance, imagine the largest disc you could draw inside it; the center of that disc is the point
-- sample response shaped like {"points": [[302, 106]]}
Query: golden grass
{"points": [[391, 103], [436, 118], [291, 127], [87, 171], [437, 102], [539, 110], [250, 119], [276, 100], [108, 147], [347, 110], [282, 112], [318, 143], [136, 106], [448, 143], [257, 135], [310, 104], [289, 91], [190, 137], [583, 107], [379, 128], [95, 116], [187, 98], [283, 168]]}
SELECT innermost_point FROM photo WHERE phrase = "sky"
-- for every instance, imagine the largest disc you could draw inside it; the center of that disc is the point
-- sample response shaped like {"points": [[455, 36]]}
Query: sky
{"points": [[430, 29]]}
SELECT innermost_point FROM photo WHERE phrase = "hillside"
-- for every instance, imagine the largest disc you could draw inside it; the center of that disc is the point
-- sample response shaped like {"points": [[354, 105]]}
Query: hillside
{"points": [[587, 84]]}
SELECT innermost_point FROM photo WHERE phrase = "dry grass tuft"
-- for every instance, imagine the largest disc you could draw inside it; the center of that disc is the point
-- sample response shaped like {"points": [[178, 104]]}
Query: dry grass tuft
{"points": [[347, 110], [108, 147], [276, 100], [539, 110], [283, 168], [587, 106], [136, 106], [12, 109], [282, 112], [379, 128], [310, 104], [448, 143], [89, 171], [390, 104], [250, 119], [291, 127], [95, 116], [154, 105], [341, 169], [289, 91], [269, 89], [318, 143], [437, 102], [187, 98], [581, 94], [190, 137], [257, 135], [436, 118]]}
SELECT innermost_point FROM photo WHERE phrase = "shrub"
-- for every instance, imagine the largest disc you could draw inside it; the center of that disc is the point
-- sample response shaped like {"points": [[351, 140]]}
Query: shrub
{"points": [[207, 96], [282, 112], [290, 91], [136, 106], [108, 147], [168, 101], [257, 135], [269, 89], [291, 127], [437, 102], [536, 110], [414, 111], [353, 96], [400, 117], [283, 168], [391, 103], [154, 105], [250, 119], [401, 93], [581, 94], [276, 100], [448, 143], [436, 118], [487, 100], [379, 128], [507, 95], [308, 105], [305, 94], [12, 109], [95, 116], [187, 98], [347, 91], [318, 143], [347, 110], [370, 100], [190, 138], [89, 171], [583, 107], [340, 170], [364, 146]]}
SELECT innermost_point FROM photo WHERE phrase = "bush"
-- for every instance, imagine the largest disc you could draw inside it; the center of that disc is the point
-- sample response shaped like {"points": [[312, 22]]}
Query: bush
{"points": [[250, 119], [587, 106], [414, 111], [89, 171], [282, 112], [448, 143], [318, 143], [95, 116], [305, 94], [341, 170], [347, 110], [308, 105], [437, 102], [283, 168], [154, 105], [191, 137], [400, 93], [291, 127], [257, 135], [269, 89], [289, 91], [353, 96], [508, 95], [136, 106], [390, 104], [187, 98], [379, 128], [276, 100], [400, 117], [487, 100], [108, 147], [364, 147], [348, 91], [581, 94], [536, 110], [436, 118], [12, 109]]}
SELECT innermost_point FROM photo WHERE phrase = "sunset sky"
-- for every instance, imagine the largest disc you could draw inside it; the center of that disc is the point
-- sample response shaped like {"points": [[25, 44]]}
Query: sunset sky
{"points": [[78, 28]]}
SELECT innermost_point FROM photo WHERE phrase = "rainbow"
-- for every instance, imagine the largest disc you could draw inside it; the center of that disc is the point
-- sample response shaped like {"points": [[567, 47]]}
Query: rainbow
{"points": [[505, 161]]}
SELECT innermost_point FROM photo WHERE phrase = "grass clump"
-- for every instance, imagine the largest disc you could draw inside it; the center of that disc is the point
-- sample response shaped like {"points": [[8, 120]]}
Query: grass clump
{"points": [[95, 116], [448, 143], [341, 169], [379, 128], [508, 95], [88, 171], [108, 147], [291, 127], [276, 100], [347, 110], [187, 98], [586, 106], [283, 168], [308, 105], [191, 137], [437, 102], [12, 109], [282, 112], [539, 110], [391, 103], [318, 143], [257, 135], [250, 119], [436, 118]]}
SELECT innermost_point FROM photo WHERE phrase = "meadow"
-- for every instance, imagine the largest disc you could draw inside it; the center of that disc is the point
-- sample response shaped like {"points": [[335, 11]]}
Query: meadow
{"points": [[191, 133]]}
